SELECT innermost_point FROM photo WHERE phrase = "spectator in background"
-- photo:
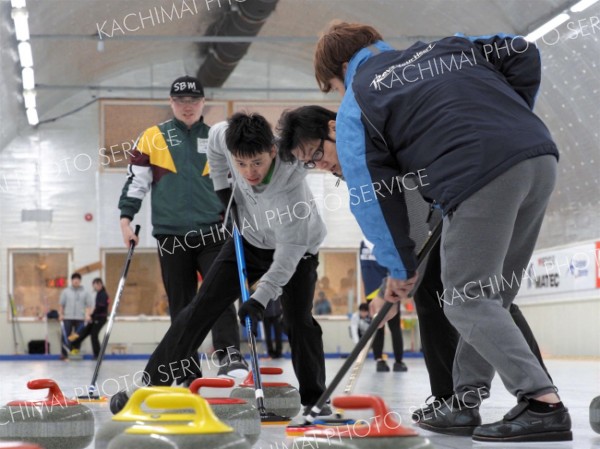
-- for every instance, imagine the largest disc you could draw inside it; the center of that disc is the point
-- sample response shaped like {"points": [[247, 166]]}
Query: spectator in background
{"points": [[98, 319], [373, 275], [272, 321], [323, 286], [359, 322], [322, 304], [75, 310]]}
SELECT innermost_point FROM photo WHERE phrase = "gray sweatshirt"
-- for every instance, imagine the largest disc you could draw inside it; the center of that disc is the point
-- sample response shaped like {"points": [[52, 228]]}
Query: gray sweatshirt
{"points": [[74, 302], [281, 215]]}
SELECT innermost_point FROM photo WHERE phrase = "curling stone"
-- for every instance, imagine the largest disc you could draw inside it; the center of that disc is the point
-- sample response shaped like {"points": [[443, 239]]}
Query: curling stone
{"points": [[133, 414], [382, 431], [280, 397], [54, 423], [203, 431], [234, 412], [595, 414], [18, 445]]}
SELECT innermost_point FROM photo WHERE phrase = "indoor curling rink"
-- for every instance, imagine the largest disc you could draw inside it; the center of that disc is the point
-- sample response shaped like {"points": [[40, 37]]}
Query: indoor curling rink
{"points": [[403, 392], [80, 81]]}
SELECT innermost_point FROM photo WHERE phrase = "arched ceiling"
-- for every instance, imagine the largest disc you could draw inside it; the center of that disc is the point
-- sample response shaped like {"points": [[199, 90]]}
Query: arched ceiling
{"points": [[73, 65], [78, 44]]}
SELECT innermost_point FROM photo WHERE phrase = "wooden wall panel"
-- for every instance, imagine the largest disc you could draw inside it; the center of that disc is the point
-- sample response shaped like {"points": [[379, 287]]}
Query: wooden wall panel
{"points": [[122, 121], [31, 272], [144, 293]]}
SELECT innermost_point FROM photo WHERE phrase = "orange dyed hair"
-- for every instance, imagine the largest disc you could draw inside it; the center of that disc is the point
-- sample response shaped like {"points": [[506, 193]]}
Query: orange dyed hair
{"points": [[336, 46]]}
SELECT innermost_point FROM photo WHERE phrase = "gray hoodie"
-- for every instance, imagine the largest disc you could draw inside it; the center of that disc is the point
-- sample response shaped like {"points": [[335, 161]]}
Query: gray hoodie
{"points": [[75, 301], [281, 215]]}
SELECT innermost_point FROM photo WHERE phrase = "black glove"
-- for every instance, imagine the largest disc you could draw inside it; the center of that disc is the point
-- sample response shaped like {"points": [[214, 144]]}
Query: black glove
{"points": [[253, 310], [224, 195]]}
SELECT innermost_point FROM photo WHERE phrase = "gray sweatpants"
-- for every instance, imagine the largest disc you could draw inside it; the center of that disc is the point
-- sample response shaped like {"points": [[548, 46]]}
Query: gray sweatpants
{"points": [[486, 245]]}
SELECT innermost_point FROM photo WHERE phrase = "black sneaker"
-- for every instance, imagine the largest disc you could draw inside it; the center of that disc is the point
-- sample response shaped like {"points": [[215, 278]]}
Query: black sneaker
{"points": [[400, 367], [188, 381], [521, 424], [382, 367], [450, 417], [325, 410], [233, 365], [118, 401]]}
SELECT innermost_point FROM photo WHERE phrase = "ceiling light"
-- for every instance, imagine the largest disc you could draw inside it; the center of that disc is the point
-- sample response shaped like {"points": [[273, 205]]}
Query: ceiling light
{"points": [[583, 4], [29, 97], [20, 16], [17, 3], [32, 116], [28, 78], [547, 27], [25, 54]]}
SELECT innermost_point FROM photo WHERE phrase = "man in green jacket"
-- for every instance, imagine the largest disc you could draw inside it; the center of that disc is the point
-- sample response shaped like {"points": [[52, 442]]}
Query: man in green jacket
{"points": [[170, 159]]}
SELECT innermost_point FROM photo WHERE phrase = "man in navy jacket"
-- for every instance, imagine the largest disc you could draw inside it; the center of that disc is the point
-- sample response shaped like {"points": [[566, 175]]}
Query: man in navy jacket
{"points": [[456, 113]]}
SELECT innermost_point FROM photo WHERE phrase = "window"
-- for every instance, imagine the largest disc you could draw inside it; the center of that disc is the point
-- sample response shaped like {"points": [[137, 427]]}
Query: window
{"points": [[337, 285], [144, 293], [37, 279]]}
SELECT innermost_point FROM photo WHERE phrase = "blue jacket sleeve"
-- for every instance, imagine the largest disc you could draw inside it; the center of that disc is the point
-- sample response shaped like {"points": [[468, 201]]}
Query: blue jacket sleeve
{"points": [[517, 59], [380, 213]]}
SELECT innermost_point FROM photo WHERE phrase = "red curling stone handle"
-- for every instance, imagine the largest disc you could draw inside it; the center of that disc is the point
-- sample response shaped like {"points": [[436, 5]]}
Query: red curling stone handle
{"points": [[54, 393], [271, 370], [266, 370], [210, 383], [361, 402]]}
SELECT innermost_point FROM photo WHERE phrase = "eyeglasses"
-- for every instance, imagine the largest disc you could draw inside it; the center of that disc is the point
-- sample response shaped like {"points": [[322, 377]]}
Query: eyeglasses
{"points": [[183, 100], [316, 157]]}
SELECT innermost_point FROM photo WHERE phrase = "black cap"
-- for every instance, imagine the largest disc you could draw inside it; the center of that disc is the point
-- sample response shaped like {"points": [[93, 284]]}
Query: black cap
{"points": [[187, 86]]}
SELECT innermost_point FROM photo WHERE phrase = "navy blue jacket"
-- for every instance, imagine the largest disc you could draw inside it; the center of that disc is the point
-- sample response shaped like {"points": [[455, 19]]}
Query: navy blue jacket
{"points": [[101, 310], [455, 112]]}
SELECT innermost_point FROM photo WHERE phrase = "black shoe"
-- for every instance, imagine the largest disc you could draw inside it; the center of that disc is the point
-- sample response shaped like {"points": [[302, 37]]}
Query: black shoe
{"points": [[400, 367], [450, 417], [382, 367], [417, 415], [325, 410], [118, 401], [188, 381], [521, 424], [233, 365]]}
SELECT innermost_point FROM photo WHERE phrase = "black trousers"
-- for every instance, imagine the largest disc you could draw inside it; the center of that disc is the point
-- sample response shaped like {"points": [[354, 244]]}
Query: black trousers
{"points": [[273, 325], [180, 260], [397, 341], [92, 329], [69, 326], [438, 336], [220, 290]]}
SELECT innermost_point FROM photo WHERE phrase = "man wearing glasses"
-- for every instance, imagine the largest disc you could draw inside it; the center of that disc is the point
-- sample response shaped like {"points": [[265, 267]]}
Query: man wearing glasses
{"points": [[170, 159]]}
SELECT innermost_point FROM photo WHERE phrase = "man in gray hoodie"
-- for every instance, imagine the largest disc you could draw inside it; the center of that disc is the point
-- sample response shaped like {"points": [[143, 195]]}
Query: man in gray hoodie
{"points": [[282, 232], [75, 309]]}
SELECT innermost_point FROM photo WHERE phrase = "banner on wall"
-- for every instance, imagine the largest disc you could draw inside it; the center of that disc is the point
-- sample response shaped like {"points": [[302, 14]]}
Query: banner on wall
{"points": [[597, 265], [574, 269]]}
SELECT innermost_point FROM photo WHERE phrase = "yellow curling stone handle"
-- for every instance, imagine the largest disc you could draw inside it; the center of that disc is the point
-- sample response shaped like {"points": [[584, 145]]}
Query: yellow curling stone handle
{"points": [[133, 409], [203, 421]]}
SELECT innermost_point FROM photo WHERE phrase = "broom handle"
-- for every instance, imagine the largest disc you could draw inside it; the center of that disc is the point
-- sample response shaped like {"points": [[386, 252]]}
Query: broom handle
{"points": [[377, 320], [243, 277], [113, 312]]}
